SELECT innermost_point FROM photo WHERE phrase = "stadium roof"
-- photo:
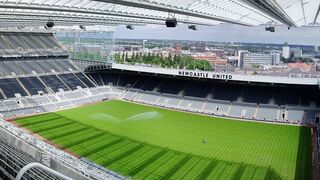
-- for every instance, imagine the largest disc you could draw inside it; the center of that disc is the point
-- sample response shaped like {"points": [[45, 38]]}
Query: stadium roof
{"points": [[135, 12]]}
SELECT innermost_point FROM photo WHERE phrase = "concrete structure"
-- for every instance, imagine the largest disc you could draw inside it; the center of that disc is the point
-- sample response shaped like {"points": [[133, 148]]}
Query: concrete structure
{"points": [[296, 52], [241, 56], [275, 58], [286, 52], [223, 76], [247, 59], [210, 57], [144, 44]]}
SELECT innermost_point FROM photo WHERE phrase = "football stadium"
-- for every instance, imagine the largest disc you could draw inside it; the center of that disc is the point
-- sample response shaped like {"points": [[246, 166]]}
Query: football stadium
{"points": [[65, 117]]}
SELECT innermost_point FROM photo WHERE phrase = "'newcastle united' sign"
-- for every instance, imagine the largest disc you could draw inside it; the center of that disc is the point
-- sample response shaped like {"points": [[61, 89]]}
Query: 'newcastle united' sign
{"points": [[205, 75]]}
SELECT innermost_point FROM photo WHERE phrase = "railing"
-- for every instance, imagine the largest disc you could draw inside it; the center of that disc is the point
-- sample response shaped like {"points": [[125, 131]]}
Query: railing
{"points": [[45, 168]]}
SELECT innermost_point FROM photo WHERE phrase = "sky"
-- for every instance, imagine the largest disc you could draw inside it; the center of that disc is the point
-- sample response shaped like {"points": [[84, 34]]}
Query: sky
{"points": [[224, 33]]}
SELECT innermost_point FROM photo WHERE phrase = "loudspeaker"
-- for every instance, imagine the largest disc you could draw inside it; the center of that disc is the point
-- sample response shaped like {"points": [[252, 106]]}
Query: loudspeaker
{"points": [[192, 27], [271, 29], [130, 27]]}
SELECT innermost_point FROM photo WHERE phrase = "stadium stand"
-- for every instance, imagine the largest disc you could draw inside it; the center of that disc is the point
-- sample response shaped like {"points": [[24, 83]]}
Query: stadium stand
{"points": [[227, 92], [35, 63], [85, 80], [72, 81], [11, 87], [33, 85], [36, 76], [260, 102], [197, 89], [54, 83]]}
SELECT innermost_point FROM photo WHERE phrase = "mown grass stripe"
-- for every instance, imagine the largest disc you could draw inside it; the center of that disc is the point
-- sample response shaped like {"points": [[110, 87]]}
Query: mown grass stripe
{"points": [[136, 170], [124, 154], [99, 156], [207, 170], [65, 133], [33, 122], [88, 138], [85, 144], [103, 146], [51, 127], [176, 168], [183, 171]]}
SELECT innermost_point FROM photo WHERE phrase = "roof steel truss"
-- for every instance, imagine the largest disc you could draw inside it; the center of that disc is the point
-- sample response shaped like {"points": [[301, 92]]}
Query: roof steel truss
{"points": [[204, 12]]}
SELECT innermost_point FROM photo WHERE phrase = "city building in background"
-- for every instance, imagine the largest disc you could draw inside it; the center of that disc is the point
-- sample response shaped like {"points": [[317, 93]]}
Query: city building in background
{"points": [[248, 59], [286, 51]]}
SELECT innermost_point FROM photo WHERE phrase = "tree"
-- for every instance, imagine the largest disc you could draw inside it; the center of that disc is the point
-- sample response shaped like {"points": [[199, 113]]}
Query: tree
{"points": [[170, 57], [149, 59], [133, 57], [123, 56], [156, 61], [117, 57], [126, 58], [138, 57]]}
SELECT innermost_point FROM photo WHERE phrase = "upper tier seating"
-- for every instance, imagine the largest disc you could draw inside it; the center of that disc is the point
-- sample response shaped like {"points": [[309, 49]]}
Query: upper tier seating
{"points": [[128, 80], [198, 89], [85, 80], [151, 84], [140, 82], [30, 66], [112, 79], [227, 92], [53, 82], [172, 86], [96, 78], [72, 81], [257, 94], [27, 44], [10, 87], [33, 85]]}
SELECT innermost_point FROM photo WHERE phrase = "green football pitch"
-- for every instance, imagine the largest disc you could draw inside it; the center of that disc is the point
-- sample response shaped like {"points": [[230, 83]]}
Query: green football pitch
{"points": [[144, 142]]}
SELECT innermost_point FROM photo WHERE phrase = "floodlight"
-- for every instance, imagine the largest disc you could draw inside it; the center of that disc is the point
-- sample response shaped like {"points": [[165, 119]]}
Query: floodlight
{"points": [[171, 22], [49, 24], [83, 27]]}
